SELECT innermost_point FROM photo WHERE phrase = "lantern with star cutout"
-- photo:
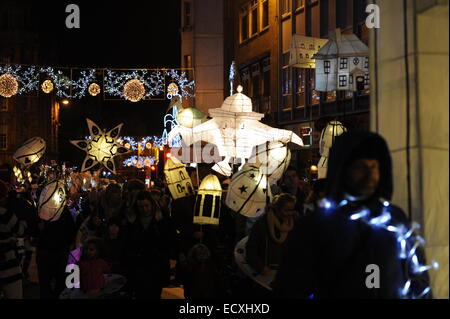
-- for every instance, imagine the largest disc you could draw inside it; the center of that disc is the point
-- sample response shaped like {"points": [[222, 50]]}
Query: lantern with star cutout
{"points": [[101, 148], [248, 191], [329, 133], [207, 205]]}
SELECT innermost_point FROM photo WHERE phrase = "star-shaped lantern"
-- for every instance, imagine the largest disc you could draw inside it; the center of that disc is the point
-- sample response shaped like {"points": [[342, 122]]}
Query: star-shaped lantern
{"points": [[101, 148]]}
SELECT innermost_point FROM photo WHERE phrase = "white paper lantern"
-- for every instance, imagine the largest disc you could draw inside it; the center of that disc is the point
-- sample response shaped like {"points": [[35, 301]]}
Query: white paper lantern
{"points": [[207, 204], [248, 191], [177, 178], [30, 152], [235, 129], [329, 133], [52, 201], [272, 160]]}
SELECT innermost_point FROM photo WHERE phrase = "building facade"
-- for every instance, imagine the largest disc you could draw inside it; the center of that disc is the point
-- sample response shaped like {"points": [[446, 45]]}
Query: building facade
{"points": [[23, 117], [202, 50], [259, 35]]}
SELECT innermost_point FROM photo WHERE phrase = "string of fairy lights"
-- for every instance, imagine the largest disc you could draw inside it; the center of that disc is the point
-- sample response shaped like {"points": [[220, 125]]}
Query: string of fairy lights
{"points": [[128, 84], [407, 239]]}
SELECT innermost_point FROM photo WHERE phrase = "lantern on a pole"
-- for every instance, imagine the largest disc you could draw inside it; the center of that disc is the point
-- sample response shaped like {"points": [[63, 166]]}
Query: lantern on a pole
{"points": [[30, 151], [329, 133], [207, 205]]}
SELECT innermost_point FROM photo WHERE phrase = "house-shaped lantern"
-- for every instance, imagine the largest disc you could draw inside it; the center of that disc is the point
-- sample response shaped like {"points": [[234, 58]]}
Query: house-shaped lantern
{"points": [[342, 64], [301, 54], [329, 133], [207, 205], [177, 178]]}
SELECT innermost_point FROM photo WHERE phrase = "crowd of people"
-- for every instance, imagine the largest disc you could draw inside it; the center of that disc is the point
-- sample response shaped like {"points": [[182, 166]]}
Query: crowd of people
{"points": [[150, 240]]}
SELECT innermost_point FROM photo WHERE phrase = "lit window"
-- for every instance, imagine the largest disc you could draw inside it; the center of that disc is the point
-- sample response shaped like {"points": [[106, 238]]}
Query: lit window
{"points": [[327, 66], [344, 63]]}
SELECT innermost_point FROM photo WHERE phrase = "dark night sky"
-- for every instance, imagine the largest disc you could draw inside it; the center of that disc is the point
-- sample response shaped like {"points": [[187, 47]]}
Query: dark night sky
{"points": [[125, 34]]}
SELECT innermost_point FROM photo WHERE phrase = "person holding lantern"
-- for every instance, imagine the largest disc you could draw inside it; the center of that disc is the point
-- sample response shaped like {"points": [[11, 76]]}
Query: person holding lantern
{"points": [[269, 234]]}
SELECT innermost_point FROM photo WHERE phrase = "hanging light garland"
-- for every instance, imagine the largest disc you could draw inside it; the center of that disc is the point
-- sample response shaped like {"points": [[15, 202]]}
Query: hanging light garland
{"points": [[8, 85], [134, 90], [70, 83]]}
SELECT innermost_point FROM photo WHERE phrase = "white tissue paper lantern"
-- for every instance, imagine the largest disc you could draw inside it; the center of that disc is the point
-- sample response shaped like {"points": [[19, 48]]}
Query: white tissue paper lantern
{"points": [[329, 133], [52, 201], [235, 129], [272, 160], [177, 178], [207, 205], [30, 152], [248, 191]]}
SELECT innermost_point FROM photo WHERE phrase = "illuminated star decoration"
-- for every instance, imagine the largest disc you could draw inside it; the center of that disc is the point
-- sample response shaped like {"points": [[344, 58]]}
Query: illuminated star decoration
{"points": [[101, 147]]}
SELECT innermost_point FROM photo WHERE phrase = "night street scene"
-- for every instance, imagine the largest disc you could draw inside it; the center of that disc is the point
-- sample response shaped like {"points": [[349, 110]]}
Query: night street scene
{"points": [[241, 152]]}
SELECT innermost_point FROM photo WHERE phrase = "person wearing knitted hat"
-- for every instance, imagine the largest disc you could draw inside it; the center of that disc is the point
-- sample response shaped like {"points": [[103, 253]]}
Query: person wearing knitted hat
{"points": [[10, 228]]}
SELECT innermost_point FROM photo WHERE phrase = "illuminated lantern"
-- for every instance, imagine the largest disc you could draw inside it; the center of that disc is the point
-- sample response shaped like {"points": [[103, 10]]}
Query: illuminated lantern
{"points": [[333, 129], [47, 86], [52, 201], [94, 89], [190, 117], [342, 64], [272, 160], [30, 152], [207, 204], [248, 191], [8, 85], [172, 89], [101, 148], [235, 129], [148, 145], [178, 180]]}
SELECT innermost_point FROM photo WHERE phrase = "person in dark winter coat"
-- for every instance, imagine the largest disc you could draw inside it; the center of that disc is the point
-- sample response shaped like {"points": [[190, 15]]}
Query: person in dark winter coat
{"points": [[328, 253], [54, 241], [151, 243]]}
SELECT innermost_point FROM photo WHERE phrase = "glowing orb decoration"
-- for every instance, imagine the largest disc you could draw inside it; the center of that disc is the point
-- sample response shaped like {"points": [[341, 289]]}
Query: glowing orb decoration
{"points": [[172, 89], [52, 201], [207, 204], [134, 90], [190, 117], [8, 85], [30, 151], [101, 148], [47, 86], [94, 89], [248, 191]]}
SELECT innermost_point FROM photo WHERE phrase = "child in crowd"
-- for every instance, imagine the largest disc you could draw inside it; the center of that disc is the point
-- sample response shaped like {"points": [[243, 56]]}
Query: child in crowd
{"points": [[92, 267]]}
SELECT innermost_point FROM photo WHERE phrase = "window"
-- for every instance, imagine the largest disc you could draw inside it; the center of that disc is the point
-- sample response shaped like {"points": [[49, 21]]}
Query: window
{"points": [[254, 18], [315, 95], [366, 79], [3, 136], [301, 89], [187, 16], [323, 18], [286, 87], [255, 80], [342, 80], [244, 23], [285, 7], [326, 66], [366, 63], [245, 78], [3, 105], [344, 63], [299, 4], [350, 79], [266, 77], [265, 14], [188, 61]]}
